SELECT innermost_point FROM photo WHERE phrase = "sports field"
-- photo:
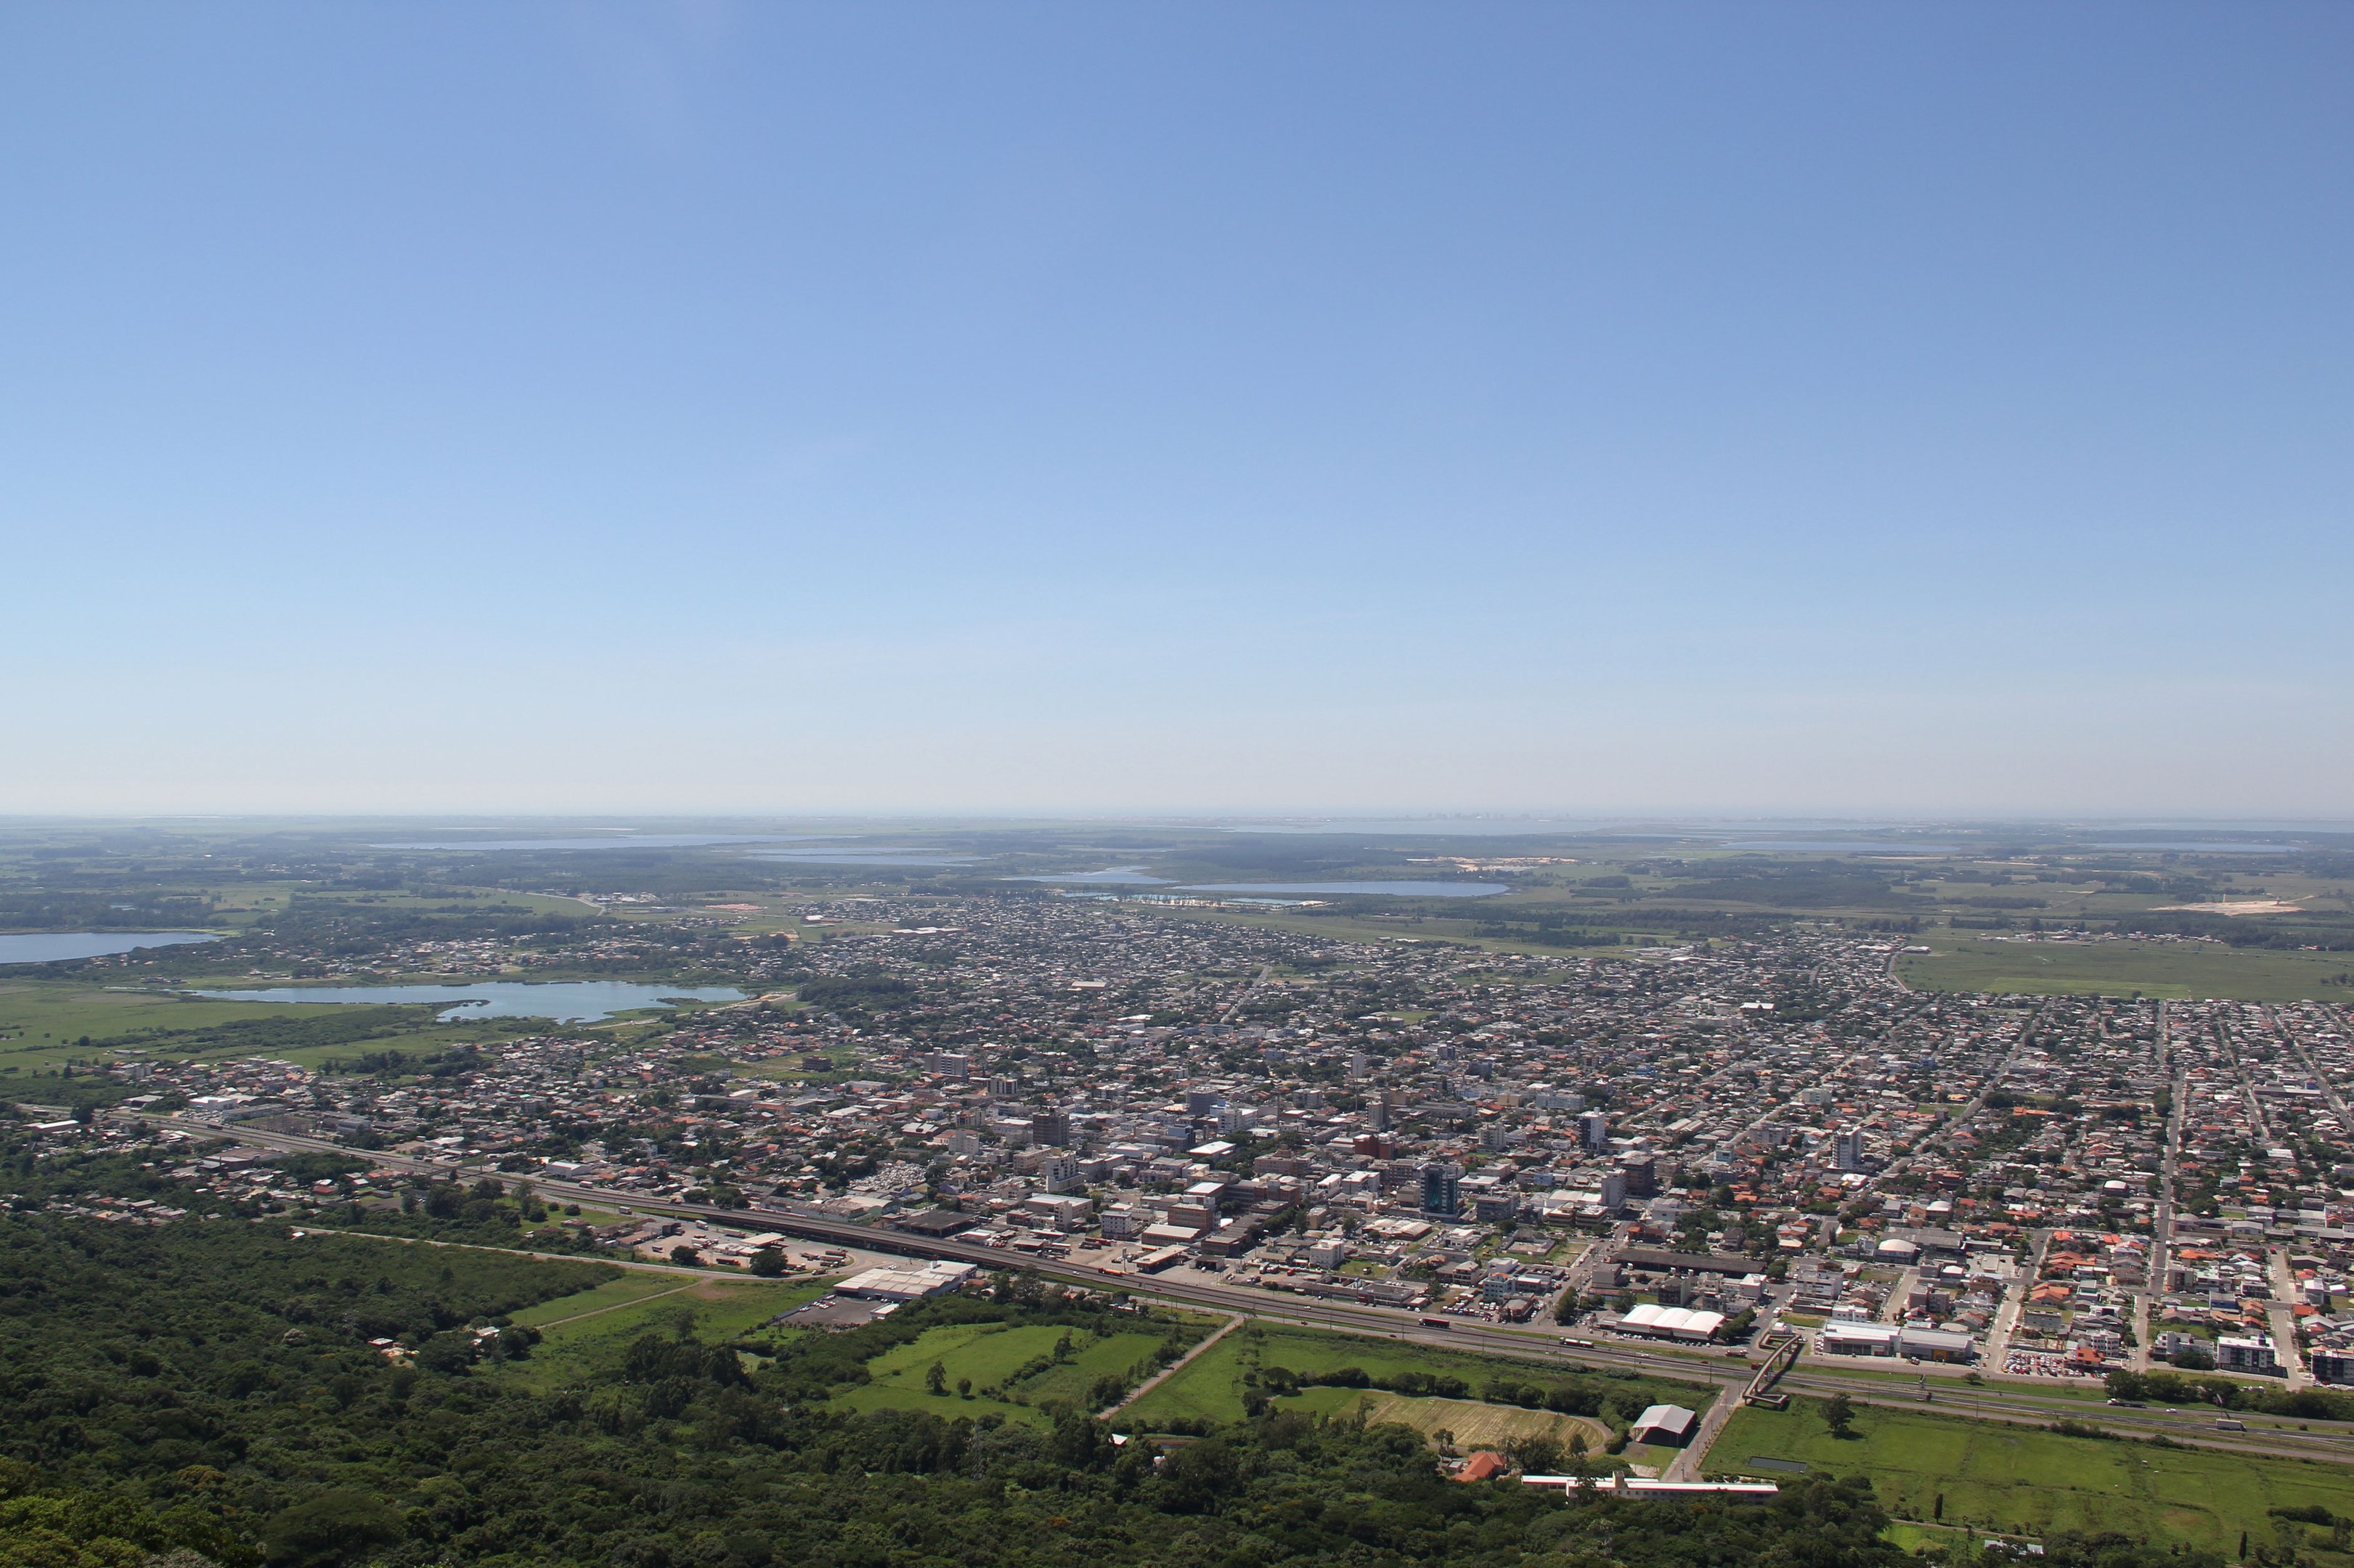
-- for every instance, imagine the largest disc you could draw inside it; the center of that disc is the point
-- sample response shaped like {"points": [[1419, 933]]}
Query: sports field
{"points": [[2025, 1480]]}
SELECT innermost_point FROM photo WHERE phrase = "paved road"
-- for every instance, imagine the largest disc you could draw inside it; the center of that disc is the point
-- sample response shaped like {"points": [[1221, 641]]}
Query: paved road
{"points": [[2014, 1302], [2283, 1316], [1244, 994], [1686, 1466], [2162, 1230]]}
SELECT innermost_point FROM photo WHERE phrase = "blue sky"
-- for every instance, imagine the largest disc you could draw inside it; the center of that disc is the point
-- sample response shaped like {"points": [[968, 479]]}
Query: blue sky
{"points": [[1670, 407]]}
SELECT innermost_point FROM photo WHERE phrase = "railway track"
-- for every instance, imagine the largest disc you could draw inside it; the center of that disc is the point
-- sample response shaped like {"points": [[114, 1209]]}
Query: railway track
{"points": [[1993, 1398]]}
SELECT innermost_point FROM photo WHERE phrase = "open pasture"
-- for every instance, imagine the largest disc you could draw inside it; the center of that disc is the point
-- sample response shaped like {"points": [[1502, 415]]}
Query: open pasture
{"points": [[987, 1354], [1212, 1386], [2021, 1479], [586, 1334], [2178, 971]]}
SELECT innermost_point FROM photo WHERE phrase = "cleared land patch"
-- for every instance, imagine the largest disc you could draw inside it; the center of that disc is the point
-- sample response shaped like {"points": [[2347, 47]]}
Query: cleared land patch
{"points": [[1474, 1425]]}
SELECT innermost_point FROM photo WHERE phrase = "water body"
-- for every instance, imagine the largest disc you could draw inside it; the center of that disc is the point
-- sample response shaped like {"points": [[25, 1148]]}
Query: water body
{"points": [[1435, 828], [867, 857], [1346, 889], [2185, 847], [1841, 846], [566, 1002], [603, 842], [1126, 876], [54, 946]]}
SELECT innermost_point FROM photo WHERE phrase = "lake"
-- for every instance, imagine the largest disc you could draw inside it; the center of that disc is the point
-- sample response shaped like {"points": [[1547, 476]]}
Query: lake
{"points": [[1129, 876], [603, 842], [1434, 827], [2184, 846], [1841, 846], [54, 947], [566, 1002], [1350, 889], [867, 857]]}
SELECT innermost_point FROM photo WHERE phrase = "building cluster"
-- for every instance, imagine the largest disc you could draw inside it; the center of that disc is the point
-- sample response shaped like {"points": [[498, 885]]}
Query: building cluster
{"points": [[1696, 1142]]}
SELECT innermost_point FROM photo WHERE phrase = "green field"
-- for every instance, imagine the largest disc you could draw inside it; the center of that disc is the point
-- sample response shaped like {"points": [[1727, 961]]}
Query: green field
{"points": [[2177, 970], [602, 1321], [635, 1285], [42, 1022], [1470, 1422], [2024, 1480], [988, 1353], [1211, 1387]]}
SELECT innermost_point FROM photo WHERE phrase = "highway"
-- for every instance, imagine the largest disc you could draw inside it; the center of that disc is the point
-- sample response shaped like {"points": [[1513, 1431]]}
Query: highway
{"points": [[1878, 1383]]}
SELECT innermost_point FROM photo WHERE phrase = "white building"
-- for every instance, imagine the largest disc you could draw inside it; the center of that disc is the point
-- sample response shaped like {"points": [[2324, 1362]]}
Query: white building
{"points": [[2252, 1352], [1671, 1322], [908, 1282]]}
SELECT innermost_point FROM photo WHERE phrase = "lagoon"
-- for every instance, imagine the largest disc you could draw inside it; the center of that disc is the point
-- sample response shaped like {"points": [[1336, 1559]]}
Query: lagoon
{"points": [[1350, 889], [566, 1002], [55, 947], [1129, 876], [2188, 846], [607, 842], [1841, 846], [865, 857]]}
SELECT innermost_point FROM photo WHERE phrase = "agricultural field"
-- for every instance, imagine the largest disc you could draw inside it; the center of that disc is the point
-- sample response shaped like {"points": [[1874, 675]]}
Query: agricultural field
{"points": [[2175, 971], [987, 1354], [586, 1333], [1211, 1387], [2025, 1480]]}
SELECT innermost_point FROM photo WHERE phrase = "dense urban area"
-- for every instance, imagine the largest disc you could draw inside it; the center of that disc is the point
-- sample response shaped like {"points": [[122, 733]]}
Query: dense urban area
{"points": [[1671, 1216], [1689, 1143]]}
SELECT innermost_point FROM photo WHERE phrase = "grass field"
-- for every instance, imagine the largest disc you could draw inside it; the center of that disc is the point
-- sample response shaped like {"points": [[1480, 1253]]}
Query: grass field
{"points": [[2177, 970], [586, 1333], [1210, 1387], [988, 1353], [1473, 1424], [635, 1285], [2023, 1480], [41, 1022]]}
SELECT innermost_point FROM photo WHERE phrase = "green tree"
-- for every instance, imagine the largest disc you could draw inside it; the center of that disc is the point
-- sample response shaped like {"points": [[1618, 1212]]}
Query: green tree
{"points": [[329, 1527]]}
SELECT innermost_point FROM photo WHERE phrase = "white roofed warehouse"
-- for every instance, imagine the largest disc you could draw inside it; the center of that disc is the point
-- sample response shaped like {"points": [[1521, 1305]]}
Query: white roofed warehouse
{"points": [[908, 1283], [1671, 1322]]}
